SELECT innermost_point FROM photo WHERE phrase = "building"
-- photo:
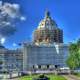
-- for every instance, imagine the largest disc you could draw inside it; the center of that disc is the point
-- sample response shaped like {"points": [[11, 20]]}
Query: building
{"points": [[10, 60], [47, 51], [48, 31]]}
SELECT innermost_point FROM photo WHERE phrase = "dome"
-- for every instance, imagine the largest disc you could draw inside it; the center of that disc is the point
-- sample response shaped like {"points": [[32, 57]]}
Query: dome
{"points": [[47, 22], [48, 31]]}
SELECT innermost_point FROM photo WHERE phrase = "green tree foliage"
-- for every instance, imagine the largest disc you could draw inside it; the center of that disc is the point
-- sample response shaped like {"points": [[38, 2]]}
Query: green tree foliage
{"points": [[73, 60]]}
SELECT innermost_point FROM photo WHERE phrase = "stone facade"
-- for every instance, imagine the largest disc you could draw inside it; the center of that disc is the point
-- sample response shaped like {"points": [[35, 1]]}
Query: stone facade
{"points": [[10, 60], [44, 56]]}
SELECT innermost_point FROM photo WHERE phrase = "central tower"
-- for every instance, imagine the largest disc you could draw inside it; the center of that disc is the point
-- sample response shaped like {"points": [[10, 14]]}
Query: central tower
{"points": [[48, 31]]}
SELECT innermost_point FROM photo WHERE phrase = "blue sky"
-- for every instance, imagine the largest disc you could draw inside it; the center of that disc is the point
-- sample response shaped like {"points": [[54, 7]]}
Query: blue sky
{"points": [[66, 13]]}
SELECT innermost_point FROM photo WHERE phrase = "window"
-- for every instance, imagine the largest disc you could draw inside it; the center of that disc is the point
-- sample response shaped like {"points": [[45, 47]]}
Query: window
{"points": [[39, 66]]}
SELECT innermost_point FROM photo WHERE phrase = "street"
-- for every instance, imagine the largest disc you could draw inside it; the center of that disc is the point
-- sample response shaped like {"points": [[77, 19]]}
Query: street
{"points": [[71, 77]]}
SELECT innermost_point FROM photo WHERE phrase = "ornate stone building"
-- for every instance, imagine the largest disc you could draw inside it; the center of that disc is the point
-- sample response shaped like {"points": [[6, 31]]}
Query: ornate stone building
{"points": [[47, 51]]}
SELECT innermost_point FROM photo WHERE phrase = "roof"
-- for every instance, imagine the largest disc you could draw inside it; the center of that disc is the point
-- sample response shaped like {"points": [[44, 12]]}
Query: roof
{"points": [[47, 22]]}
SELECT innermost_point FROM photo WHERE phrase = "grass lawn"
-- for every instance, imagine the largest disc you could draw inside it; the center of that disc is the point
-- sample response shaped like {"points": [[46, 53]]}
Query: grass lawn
{"points": [[52, 77], [77, 74]]}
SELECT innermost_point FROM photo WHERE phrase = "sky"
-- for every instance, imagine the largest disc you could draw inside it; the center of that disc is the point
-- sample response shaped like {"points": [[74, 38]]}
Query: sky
{"points": [[66, 13]]}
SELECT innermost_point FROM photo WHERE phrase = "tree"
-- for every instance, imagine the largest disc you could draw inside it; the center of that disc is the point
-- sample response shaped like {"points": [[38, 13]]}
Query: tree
{"points": [[73, 60]]}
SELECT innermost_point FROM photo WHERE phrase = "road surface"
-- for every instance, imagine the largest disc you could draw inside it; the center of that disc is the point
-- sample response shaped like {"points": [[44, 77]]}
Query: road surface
{"points": [[71, 77]]}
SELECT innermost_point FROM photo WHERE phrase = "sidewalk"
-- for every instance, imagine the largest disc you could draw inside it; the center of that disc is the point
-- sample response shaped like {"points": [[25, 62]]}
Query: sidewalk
{"points": [[71, 77]]}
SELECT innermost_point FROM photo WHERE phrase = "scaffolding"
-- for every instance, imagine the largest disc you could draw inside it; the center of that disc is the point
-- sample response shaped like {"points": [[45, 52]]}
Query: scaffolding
{"points": [[49, 36], [48, 31]]}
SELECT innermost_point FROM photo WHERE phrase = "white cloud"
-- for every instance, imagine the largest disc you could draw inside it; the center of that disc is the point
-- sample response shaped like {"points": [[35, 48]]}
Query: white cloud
{"points": [[16, 6], [23, 18], [3, 40], [0, 3], [14, 44], [13, 10], [9, 13]]}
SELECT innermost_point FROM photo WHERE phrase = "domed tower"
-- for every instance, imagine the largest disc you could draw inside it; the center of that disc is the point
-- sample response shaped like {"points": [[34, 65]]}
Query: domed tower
{"points": [[48, 31]]}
